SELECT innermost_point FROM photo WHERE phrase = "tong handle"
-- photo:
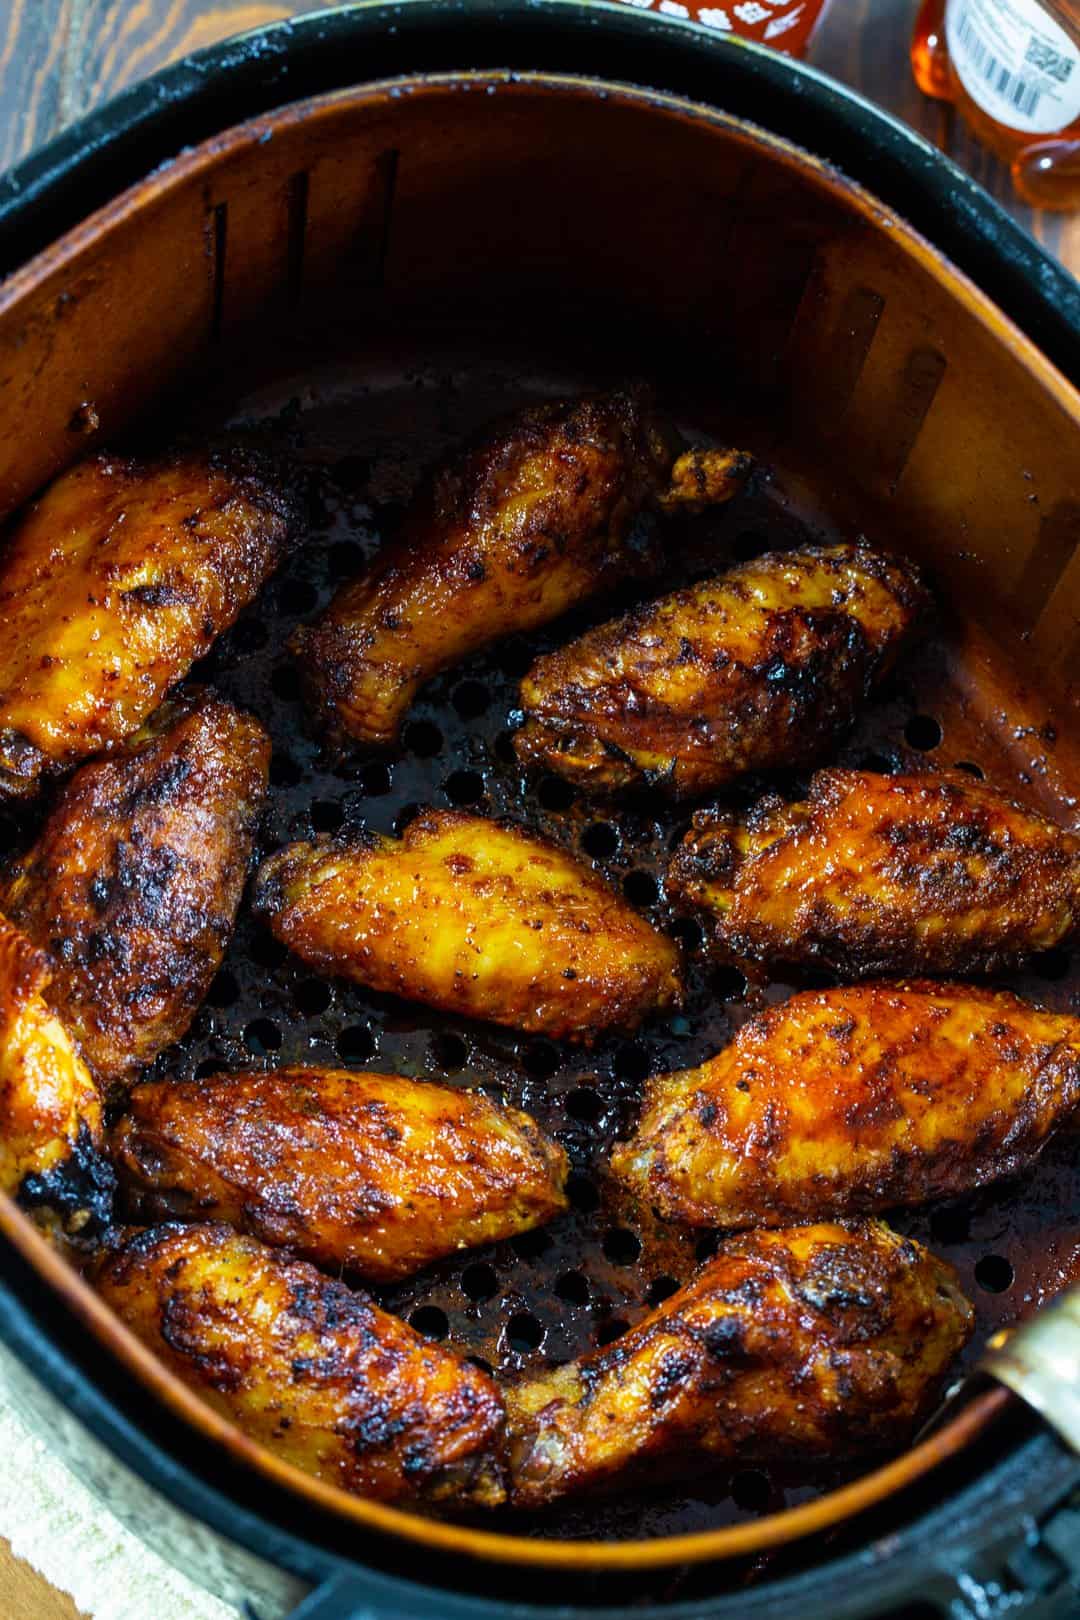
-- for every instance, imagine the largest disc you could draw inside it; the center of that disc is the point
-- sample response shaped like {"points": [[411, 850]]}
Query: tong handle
{"points": [[1040, 1361]]}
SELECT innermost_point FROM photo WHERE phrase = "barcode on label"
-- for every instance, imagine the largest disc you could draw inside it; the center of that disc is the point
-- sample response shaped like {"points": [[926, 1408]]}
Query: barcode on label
{"points": [[1018, 92]]}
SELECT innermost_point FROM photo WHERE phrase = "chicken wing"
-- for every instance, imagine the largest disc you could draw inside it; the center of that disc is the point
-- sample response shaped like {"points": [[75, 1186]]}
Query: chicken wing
{"points": [[112, 584], [309, 1368], [475, 917], [883, 874], [542, 511], [852, 1100], [50, 1113], [370, 1172], [759, 668], [135, 880], [819, 1342]]}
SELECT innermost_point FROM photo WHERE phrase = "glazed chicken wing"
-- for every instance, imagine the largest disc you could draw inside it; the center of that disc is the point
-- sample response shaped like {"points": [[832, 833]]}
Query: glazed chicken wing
{"points": [[759, 668], [366, 1172], [311, 1369], [135, 880], [852, 1100], [818, 1342], [883, 874], [50, 1112], [475, 917], [112, 584], [545, 509]]}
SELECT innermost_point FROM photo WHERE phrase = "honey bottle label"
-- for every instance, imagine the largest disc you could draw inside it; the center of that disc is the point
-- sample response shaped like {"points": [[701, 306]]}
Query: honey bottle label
{"points": [[1015, 62]]}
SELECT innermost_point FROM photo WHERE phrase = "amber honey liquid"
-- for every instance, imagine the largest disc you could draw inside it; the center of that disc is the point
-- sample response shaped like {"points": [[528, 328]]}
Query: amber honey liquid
{"points": [[1012, 70]]}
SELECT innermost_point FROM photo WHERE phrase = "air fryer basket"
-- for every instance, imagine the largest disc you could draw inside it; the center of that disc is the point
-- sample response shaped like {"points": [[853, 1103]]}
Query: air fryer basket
{"points": [[366, 277]]}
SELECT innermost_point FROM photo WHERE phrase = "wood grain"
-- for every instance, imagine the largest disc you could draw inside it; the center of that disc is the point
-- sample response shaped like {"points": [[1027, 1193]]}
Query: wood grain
{"points": [[119, 41], [25, 1596], [35, 41]]}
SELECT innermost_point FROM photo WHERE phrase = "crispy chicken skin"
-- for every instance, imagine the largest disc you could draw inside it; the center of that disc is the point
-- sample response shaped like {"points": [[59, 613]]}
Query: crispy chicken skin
{"points": [[818, 1341], [475, 917], [311, 1369], [135, 880], [757, 668], [368, 1172], [112, 584], [856, 1099], [50, 1112], [882, 874], [543, 510]]}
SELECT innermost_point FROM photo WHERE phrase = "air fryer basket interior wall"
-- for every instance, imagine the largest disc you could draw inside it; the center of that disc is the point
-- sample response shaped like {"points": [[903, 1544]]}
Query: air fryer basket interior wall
{"points": [[836, 341]]}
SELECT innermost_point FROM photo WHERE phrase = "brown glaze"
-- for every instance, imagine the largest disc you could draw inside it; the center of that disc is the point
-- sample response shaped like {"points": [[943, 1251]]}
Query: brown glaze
{"points": [[821, 1341], [851, 1100], [310, 1368], [761, 667], [50, 1112], [542, 511], [112, 584], [135, 880], [883, 874], [370, 1172], [475, 917]]}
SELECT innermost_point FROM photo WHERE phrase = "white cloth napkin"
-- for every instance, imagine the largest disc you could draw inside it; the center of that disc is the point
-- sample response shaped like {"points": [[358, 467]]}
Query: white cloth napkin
{"points": [[55, 1524]]}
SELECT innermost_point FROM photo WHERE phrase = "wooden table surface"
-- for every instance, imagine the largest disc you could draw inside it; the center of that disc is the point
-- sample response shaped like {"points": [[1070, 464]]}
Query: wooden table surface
{"points": [[59, 58]]}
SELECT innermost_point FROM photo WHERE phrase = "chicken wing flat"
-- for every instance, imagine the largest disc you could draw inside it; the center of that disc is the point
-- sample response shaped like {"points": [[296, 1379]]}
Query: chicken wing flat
{"points": [[852, 1100], [112, 584], [542, 511], [312, 1370], [369, 1172], [475, 917], [817, 1342], [883, 874], [135, 880], [50, 1112], [758, 668]]}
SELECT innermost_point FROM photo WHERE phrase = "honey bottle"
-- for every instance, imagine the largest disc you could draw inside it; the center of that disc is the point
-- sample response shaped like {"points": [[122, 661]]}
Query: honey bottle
{"points": [[1012, 69]]}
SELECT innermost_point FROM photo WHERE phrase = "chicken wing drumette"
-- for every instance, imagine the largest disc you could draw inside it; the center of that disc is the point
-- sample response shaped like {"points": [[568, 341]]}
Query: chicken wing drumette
{"points": [[758, 668], [816, 1342], [313, 1370], [882, 874], [475, 917], [50, 1112], [112, 584], [542, 511], [853, 1100], [369, 1172], [134, 883]]}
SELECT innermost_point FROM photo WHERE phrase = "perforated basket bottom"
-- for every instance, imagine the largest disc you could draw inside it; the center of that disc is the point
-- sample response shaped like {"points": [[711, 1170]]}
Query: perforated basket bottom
{"points": [[556, 1293]]}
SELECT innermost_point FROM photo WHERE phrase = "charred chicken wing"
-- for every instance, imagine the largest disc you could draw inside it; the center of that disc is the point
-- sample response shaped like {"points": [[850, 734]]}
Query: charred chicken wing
{"points": [[817, 1341], [545, 509], [474, 917], [50, 1111], [369, 1172], [309, 1368], [851, 1100], [112, 584], [135, 880], [883, 874], [759, 668]]}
